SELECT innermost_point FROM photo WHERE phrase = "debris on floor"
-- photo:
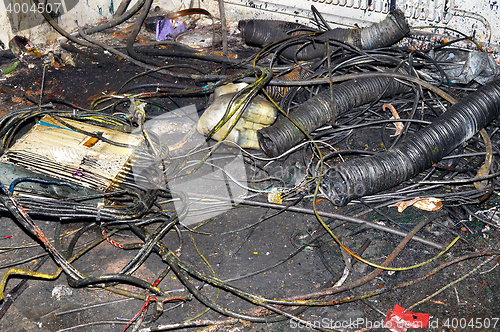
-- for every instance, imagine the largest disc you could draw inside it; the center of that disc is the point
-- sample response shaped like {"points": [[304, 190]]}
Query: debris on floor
{"points": [[163, 171]]}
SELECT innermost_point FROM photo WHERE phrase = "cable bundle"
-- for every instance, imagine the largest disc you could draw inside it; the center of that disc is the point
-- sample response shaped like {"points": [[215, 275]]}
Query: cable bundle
{"points": [[320, 109], [263, 32], [367, 176]]}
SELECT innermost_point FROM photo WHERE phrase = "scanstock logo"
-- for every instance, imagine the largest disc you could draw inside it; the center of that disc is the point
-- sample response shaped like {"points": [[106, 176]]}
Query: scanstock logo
{"points": [[200, 190], [25, 14]]}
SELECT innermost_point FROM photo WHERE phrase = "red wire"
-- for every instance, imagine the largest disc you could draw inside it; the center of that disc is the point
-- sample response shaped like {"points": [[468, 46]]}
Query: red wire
{"points": [[145, 305], [174, 298]]}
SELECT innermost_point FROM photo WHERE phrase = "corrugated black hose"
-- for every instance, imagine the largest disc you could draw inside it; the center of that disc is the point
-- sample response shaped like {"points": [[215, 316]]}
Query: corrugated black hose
{"points": [[366, 176], [319, 110], [264, 32]]}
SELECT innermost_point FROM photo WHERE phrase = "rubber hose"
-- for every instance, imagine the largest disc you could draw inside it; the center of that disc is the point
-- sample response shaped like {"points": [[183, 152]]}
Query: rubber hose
{"points": [[135, 31], [264, 32], [59, 29], [319, 110], [367, 176], [122, 8], [118, 18]]}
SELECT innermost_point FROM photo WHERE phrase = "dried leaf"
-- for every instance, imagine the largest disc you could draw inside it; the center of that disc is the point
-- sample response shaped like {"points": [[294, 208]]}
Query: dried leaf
{"points": [[429, 204], [485, 168], [399, 125], [404, 204]]}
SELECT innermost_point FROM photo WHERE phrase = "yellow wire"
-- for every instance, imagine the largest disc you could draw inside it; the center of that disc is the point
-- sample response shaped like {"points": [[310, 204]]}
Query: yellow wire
{"points": [[325, 226], [213, 272], [20, 272], [316, 190], [254, 86], [258, 84]]}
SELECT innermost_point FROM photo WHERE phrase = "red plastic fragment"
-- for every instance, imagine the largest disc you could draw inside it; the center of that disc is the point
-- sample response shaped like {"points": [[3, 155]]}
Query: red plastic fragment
{"points": [[399, 321]]}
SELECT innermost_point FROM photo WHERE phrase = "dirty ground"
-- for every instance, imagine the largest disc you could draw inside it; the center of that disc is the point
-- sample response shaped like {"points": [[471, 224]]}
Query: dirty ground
{"points": [[251, 248]]}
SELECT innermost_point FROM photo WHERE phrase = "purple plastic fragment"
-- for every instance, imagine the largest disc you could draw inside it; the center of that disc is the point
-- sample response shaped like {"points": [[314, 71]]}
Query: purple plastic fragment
{"points": [[165, 30]]}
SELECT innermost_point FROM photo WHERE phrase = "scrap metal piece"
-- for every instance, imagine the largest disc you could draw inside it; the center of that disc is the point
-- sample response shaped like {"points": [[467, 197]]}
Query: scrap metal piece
{"points": [[62, 151]]}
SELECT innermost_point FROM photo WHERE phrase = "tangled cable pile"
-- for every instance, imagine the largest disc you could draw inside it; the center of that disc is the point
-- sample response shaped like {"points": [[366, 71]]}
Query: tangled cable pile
{"points": [[330, 102]]}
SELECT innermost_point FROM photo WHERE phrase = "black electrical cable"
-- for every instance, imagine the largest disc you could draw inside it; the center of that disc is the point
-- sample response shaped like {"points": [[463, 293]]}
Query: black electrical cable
{"points": [[407, 125], [49, 207], [58, 240], [135, 31], [142, 255], [119, 17], [183, 276], [173, 261], [58, 28], [179, 52], [13, 121], [23, 261], [122, 7], [125, 279], [74, 240], [156, 86], [319, 19]]}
